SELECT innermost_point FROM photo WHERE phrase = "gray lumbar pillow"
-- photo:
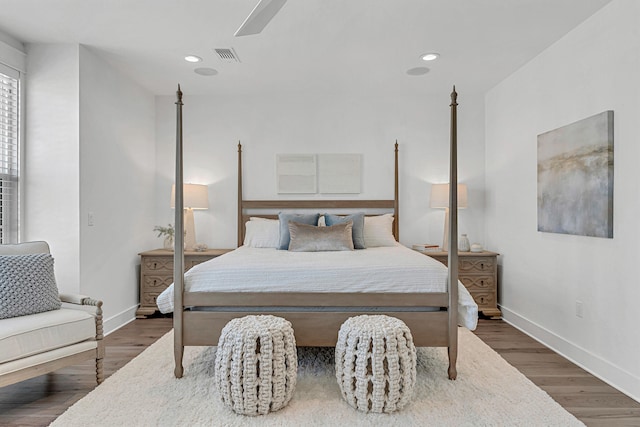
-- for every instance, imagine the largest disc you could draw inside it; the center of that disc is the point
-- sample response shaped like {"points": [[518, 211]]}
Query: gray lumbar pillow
{"points": [[309, 219], [358, 226], [309, 238], [27, 285]]}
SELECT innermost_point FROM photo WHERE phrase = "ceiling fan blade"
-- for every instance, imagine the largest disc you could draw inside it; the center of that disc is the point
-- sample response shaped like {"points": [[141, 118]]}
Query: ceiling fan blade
{"points": [[259, 17]]}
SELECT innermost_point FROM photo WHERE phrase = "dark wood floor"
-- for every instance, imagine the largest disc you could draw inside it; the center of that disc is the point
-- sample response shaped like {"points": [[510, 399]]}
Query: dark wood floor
{"points": [[589, 399], [37, 402]]}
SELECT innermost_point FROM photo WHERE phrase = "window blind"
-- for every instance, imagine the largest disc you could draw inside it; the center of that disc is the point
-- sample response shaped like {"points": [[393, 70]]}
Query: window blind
{"points": [[9, 155]]}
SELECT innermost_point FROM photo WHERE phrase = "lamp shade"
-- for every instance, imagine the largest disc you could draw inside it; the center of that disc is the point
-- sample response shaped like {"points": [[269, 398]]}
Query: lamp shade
{"points": [[195, 196], [440, 196]]}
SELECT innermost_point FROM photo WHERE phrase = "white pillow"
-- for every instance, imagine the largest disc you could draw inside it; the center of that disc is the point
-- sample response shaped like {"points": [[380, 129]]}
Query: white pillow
{"points": [[259, 218], [378, 231], [262, 234]]}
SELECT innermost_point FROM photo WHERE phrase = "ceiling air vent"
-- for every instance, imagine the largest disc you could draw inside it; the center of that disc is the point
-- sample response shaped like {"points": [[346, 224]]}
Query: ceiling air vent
{"points": [[227, 54]]}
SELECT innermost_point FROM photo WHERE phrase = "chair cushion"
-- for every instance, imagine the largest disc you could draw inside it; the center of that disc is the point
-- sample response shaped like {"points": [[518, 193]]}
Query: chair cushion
{"points": [[27, 335]]}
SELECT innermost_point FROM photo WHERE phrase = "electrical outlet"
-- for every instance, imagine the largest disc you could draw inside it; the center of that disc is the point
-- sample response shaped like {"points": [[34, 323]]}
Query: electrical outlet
{"points": [[579, 309], [90, 219]]}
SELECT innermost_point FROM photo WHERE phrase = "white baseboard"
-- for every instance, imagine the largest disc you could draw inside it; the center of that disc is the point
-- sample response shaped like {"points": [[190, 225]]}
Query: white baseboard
{"points": [[117, 321], [613, 375]]}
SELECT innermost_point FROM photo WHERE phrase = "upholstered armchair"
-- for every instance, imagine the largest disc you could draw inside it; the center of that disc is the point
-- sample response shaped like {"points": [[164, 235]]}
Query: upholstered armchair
{"points": [[41, 330]]}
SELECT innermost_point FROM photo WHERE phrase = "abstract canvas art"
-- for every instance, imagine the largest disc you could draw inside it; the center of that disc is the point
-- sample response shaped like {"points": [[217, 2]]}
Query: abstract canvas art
{"points": [[296, 173], [575, 178], [339, 173]]}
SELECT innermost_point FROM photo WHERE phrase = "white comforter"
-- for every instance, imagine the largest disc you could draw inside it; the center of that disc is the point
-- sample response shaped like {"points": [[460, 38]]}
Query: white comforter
{"points": [[384, 269]]}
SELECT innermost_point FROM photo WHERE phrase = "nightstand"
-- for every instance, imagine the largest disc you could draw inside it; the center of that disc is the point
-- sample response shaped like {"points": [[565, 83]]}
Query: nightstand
{"points": [[156, 274], [478, 272]]}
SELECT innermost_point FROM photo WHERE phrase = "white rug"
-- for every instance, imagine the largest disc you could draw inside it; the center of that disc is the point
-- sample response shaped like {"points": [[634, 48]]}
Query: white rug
{"points": [[488, 392]]}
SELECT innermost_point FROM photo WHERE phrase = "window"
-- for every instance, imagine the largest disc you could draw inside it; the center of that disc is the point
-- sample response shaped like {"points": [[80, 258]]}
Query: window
{"points": [[9, 154]]}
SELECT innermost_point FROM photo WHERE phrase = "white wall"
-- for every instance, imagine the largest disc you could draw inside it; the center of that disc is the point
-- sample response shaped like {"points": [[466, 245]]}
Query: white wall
{"points": [[335, 123], [89, 148], [592, 69], [51, 148], [117, 173]]}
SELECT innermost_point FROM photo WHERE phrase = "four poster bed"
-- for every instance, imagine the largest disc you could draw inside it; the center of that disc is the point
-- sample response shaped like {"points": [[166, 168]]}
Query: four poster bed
{"points": [[317, 291]]}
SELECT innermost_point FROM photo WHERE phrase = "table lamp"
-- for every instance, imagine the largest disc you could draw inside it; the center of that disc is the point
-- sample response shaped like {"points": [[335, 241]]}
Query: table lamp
{"points": [[440, 199], [195, 196]]}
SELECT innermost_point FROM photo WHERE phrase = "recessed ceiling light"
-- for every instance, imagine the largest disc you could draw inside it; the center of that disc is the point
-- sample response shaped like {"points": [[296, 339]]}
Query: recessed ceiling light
{"points": [[431, 56], [205, 71], [192, 58], [417, 71]]}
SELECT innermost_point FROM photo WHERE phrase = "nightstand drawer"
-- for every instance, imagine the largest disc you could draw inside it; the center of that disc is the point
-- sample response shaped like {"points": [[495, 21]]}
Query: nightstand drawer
{"points": [[157, 283], [484, 299], [476, 265], [195, 261], [165, 266], [157, 265], [149, 298], [478, 283]]}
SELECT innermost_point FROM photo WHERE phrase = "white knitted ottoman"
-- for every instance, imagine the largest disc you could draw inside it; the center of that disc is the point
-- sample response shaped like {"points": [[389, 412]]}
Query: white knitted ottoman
{"points": [[375, 363], [256, 364]]}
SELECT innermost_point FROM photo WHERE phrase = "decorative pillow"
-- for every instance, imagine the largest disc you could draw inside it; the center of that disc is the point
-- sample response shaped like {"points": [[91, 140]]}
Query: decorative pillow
{"points": [[309, 219], [378, 231], [27, 285], [358, 226], [259, 218], [309, 238], [262, 234]]}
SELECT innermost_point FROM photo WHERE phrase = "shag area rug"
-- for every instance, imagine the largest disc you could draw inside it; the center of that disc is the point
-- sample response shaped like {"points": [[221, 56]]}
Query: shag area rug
{"points": [[488, 392]]}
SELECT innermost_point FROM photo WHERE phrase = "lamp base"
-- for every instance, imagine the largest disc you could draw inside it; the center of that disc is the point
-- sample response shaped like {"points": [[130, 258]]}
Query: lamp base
{"points": [[189, 230], [445, 238]]}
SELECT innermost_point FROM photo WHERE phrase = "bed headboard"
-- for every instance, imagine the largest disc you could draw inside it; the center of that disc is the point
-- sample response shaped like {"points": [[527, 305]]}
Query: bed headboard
{"points": [[390, 205]]}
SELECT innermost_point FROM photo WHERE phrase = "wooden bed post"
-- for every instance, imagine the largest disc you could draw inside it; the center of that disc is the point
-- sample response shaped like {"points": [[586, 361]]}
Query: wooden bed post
{"points": [[396, 197], [453, 240], [240, 224], [178, 253]]}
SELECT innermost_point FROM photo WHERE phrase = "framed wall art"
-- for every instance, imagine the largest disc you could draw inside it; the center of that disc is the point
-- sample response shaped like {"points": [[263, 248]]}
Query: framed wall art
{"points": [[296, 173], [575, 178], [339, 173]]}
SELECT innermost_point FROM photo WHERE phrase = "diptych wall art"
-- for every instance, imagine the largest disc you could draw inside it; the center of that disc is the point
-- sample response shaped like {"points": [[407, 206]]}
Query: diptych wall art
{"points": [[324, 173], [575, 178]]}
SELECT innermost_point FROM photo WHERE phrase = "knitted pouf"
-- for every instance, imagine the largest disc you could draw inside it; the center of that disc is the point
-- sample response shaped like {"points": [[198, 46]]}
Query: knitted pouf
{"points": [[256, 364], [375, 363]]}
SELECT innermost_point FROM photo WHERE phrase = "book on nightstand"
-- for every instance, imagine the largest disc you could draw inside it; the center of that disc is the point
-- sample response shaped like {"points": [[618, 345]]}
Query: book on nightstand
{"points": [[426, 247]]}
